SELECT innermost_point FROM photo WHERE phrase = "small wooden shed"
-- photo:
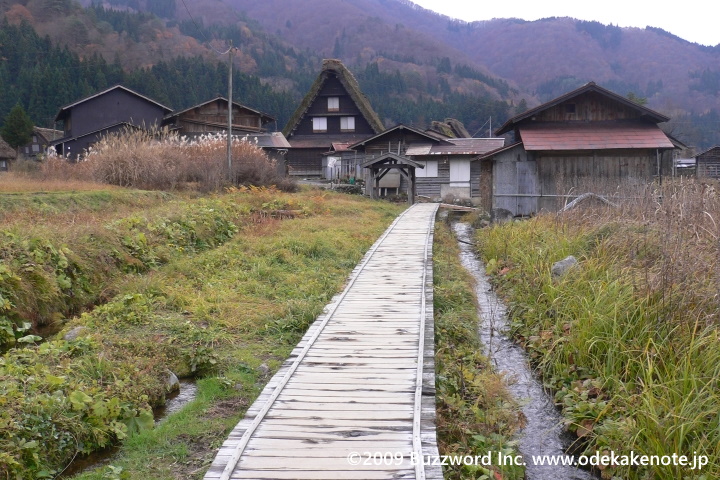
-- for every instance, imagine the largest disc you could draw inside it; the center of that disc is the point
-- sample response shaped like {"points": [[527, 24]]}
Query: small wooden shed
{"points": [[391, 163], [708, 163]]}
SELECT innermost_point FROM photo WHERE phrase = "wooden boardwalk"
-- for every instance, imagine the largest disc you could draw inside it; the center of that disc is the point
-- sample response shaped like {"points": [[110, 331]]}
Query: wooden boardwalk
{"points": [[361, 381]]}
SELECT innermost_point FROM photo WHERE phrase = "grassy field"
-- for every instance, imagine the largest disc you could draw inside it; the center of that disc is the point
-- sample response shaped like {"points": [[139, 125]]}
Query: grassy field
{"points": [[628, 340], [211, 287]]}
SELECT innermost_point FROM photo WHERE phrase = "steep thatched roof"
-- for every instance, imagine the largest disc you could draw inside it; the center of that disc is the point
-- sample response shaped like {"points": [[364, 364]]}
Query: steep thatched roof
{"points": [[6, 151], [49, 134], [450, 128], [335, 67]]}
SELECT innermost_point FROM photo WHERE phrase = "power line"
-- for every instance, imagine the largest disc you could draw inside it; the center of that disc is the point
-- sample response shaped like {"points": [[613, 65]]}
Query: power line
{"points": [[203, 33]]}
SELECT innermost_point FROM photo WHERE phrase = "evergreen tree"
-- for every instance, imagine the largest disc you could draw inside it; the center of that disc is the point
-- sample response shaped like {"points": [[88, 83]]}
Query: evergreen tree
{"points": [[18, 128]]}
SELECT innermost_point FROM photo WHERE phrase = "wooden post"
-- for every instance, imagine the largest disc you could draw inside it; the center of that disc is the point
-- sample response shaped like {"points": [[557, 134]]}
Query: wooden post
{"points": [[413, 180], [230, 106]]}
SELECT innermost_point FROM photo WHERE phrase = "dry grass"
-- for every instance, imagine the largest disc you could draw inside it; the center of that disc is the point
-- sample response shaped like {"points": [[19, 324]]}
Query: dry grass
{"points": [[629, 339], [164, 161], [13, 182], [155, 160]]}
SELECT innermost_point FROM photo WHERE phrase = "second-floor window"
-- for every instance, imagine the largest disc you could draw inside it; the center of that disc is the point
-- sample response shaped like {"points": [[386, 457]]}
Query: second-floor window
{"points": [[319, 124], [347, 124], [333, 104]]}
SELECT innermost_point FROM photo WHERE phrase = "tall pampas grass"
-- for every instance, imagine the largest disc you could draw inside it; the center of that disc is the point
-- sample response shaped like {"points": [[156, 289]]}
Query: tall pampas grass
{"points": [[163, 160]]}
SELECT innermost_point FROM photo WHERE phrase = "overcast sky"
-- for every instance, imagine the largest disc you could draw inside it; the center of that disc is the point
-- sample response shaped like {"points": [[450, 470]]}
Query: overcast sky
{"points": [[693, 20]]}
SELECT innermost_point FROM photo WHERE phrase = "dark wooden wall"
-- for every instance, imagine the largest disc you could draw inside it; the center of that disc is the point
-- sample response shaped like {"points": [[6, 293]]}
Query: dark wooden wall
{"points": [[305, 161], [113, 107], [213, 117], [708, 164], [319, 107], [590, 106]]}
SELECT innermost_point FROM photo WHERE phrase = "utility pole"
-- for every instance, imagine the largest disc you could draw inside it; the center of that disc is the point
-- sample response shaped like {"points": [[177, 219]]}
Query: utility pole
{"points": [[230, 109]]}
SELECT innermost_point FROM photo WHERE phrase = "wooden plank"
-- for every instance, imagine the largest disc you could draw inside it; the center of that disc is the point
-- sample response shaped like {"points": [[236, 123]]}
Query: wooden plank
{"points": [[359, 378]]}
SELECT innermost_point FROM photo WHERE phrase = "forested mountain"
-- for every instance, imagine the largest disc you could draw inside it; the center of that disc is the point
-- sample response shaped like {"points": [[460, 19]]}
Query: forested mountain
{"points": [[415, 65]]}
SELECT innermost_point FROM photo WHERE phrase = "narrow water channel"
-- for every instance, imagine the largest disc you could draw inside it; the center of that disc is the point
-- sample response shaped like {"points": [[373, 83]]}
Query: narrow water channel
{"points": [[101, 458], [543, 434]]}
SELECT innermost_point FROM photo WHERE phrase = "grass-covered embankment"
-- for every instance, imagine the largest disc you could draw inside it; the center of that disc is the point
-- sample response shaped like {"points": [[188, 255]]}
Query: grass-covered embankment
{"points": [[60, 253], [475, 412], [218, 313], [629, 338]]}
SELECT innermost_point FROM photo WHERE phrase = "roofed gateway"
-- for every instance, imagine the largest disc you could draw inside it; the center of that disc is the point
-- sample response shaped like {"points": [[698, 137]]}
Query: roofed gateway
{"points": [[334, 111]]}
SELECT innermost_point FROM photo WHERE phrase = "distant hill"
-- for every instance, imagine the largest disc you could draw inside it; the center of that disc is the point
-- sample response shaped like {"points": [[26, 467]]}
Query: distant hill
{"points": [[416, 65], [541, 59]]}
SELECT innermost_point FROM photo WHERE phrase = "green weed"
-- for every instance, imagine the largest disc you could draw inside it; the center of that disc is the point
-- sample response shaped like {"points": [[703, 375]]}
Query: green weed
{"points": [[476, 413], [629, 339]]}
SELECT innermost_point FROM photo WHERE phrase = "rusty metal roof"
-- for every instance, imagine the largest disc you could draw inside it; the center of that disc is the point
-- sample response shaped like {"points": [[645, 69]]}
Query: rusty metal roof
{"points": [[340, 146], [468, 146], [593, 136]]}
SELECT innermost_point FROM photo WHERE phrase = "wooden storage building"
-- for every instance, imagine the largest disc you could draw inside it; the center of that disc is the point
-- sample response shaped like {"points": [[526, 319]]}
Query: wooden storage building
{"points": [[707, 163], [212, 117], [588, 140], [115, 109]]}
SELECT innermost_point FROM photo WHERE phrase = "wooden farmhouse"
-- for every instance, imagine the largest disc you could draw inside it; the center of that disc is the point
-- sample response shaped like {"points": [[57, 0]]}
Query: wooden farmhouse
{"points": [[707, 163], [334, 112], [88, 120], [588, 140], [212, 117], [449, 169], [7, 155], [41, 140], [249, 124]]}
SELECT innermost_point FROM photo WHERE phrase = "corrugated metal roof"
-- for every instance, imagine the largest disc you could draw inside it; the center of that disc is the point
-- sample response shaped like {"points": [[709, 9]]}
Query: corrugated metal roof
{"points": [[468, 146], [418, 149], [267, 140], [593, 136]]}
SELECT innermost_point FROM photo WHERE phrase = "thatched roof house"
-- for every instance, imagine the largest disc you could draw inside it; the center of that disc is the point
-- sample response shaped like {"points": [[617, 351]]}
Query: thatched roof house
{"points": [[7, 154], [334, 111]]}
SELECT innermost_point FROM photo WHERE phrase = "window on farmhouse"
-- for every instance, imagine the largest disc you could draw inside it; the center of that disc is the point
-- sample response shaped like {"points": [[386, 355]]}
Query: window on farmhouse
{"points": [[319, 124], [347, 124], [430, 170], [570, 111], [333, 104]]}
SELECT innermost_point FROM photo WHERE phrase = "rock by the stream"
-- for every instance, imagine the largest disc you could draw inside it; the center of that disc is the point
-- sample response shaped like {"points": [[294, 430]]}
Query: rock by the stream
{"points": [[500, 215], [172, 383], [560, 268], [74, 333]]}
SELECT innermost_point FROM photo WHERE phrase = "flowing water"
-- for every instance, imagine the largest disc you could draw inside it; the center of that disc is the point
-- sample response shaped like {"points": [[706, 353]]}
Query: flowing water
{"points": [[100, 458], [543, 433]]}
